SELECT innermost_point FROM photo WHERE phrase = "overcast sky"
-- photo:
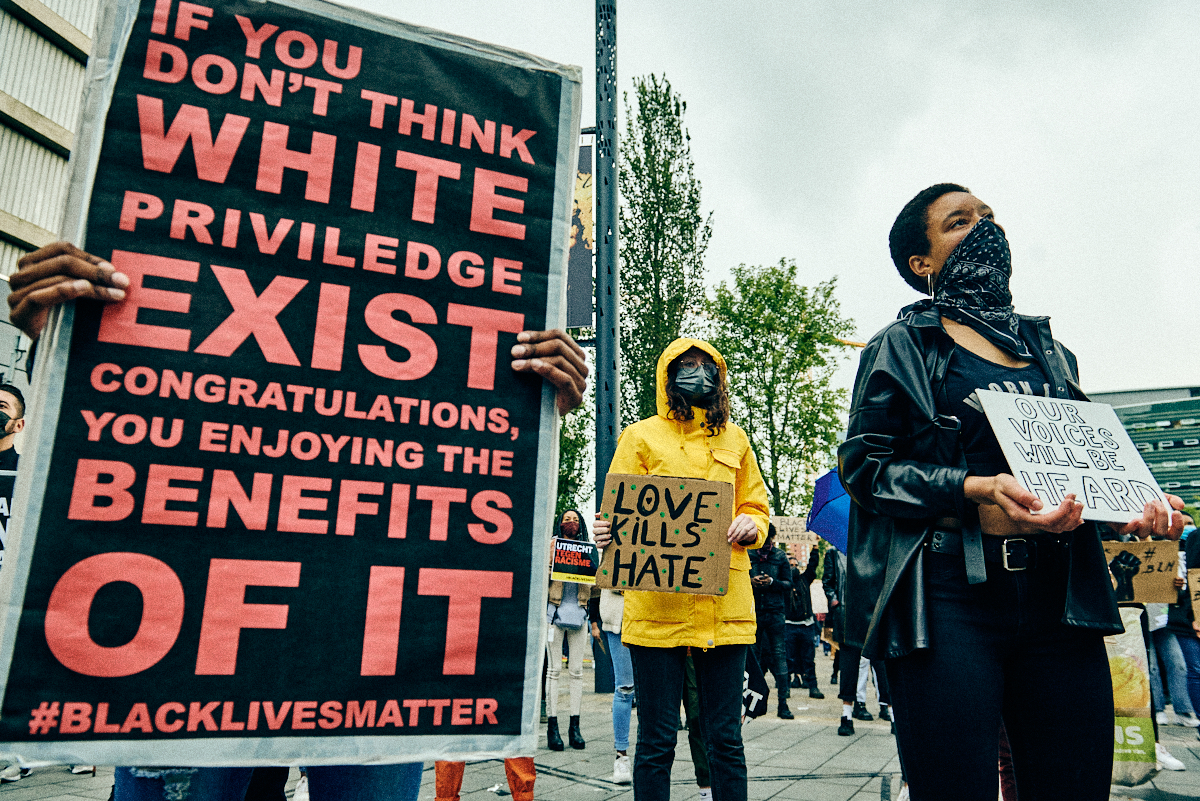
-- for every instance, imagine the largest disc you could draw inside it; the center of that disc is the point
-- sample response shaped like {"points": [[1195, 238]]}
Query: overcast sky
{"points": [[813, 123]]}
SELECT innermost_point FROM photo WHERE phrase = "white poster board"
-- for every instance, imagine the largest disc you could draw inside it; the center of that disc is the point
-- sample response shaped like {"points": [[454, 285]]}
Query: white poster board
{"points": [[1058, 447]]}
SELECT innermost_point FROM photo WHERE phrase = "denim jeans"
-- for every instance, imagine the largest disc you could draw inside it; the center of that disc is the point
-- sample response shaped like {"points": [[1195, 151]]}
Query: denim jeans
{"points": [[325, 783], [771, 650], [622, 664], [1189, 644], [999, 650], [1166, 646], [659, 675]]}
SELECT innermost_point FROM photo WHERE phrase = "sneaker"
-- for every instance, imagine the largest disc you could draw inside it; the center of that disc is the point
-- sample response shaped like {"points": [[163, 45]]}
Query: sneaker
{"points": [[622, 771], [1165, 760], [14, 773], [1162, 719], [301, 791], [847, 728], [79, 770], [1189, 720], [860, 712]]}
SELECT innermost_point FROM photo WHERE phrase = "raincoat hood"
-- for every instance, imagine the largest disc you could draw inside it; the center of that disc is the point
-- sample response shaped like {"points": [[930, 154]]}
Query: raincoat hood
{"points": [[673, 352]]}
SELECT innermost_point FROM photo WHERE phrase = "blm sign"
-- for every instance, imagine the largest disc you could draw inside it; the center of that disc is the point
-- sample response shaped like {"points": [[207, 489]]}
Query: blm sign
{"points": [[280, 504]]}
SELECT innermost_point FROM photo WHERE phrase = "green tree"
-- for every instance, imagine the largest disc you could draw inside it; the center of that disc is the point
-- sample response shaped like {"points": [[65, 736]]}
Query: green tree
{"points": [[663, 238], [782, 343]]}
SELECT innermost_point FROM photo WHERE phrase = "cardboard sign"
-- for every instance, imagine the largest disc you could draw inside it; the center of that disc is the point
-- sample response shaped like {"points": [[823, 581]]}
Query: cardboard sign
{"points": [[1145, 571], [1193, 590], [1057, 447], [668, 534], [792, 531], [293, 469], [574, 561]]}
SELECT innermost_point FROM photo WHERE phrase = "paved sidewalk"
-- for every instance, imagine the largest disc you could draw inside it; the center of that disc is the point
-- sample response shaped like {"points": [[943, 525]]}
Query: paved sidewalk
{"points": [[799, 759]]}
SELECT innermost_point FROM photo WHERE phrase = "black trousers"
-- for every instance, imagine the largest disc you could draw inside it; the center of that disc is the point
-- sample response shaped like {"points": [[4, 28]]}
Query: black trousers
{"points": [[999, 650], [802, 652], [771, 649], [659, 675]]}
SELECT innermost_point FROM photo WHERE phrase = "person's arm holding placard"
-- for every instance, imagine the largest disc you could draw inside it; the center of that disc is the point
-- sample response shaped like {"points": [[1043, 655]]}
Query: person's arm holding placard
{"points": [[61, 272]]}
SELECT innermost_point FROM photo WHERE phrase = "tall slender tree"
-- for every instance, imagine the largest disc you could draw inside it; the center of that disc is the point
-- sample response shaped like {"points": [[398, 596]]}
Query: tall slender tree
{"points": [[664, 236], [782, 343]]}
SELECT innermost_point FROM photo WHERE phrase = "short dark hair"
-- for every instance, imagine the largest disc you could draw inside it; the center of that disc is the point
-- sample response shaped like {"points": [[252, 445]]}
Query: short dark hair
{"points": [[16, 393], [910, 232]]}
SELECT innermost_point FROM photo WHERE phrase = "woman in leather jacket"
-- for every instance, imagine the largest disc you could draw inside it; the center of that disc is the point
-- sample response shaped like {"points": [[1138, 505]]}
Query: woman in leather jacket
{"points": [[982, 607]]}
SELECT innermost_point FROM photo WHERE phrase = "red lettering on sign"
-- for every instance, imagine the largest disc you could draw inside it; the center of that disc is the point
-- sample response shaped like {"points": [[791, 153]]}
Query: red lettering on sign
{"points": [[226, 613]]}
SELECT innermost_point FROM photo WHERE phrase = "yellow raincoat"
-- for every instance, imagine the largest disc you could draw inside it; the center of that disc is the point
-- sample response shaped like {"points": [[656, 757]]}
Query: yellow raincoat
{"points": [[661, 446]]}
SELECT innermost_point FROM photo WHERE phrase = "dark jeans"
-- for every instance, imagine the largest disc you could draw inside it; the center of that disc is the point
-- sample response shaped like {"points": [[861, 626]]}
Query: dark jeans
{"points": [[998, 649], [802, 652], [771, 649], [658, 674], [1190, 645], [849, 659]]}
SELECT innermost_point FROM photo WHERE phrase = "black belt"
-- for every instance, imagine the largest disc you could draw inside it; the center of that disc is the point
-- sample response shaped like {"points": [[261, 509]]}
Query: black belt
{"points": [[1012, 553]]}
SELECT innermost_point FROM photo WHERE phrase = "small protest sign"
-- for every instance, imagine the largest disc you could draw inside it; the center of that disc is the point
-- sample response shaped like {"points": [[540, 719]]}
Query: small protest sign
{"points": [[1058, 447], [574, 561], [668, 534], [1145, 571], [792, 531], [1193, 590], [7, 479]]}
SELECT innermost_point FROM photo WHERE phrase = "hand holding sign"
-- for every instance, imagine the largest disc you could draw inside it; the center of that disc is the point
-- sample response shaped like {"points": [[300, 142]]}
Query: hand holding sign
{"points": [[1064, 451]]}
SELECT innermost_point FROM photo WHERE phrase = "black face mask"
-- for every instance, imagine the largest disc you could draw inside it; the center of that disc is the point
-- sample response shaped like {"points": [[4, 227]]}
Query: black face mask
{"points": [[4, 421], [697, 384]]}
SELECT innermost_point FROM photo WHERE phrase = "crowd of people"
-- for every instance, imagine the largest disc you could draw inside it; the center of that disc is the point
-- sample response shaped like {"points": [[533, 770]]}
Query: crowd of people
{"points": [[960, 595]]}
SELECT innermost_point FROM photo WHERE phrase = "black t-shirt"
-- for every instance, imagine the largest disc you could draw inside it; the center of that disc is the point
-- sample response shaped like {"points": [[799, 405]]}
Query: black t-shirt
{"points": [[968, 372], [8, 459]]}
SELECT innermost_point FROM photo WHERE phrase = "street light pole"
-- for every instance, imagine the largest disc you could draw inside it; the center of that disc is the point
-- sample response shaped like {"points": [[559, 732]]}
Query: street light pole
{"points": [[608, 283]]}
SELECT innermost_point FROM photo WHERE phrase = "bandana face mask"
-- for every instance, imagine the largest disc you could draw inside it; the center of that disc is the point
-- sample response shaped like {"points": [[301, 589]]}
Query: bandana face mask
{"points": [[697, 384], [972, 288], [569, 528]]}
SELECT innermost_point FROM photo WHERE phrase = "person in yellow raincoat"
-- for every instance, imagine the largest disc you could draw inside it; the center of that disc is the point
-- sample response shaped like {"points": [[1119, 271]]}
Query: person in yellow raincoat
{"points": [[691, 437]]}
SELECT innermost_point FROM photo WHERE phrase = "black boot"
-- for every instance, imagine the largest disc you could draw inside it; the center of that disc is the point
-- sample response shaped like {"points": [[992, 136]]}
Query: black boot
{"points": [[784, 712], [814, 692], [860, 712], [574, 735], [553, 738]]}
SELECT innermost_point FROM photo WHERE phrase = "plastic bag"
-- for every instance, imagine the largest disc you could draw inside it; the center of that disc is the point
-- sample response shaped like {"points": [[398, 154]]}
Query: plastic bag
{"points": [[1134, 761]]}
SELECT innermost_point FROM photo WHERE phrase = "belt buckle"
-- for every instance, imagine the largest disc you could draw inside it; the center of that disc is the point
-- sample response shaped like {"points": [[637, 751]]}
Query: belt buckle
{"points": [[1005, 553]]}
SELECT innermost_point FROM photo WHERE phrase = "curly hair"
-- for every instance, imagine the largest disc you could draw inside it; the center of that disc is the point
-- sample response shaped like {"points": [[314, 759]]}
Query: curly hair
{"points": [[716, 413], [910, 232]]}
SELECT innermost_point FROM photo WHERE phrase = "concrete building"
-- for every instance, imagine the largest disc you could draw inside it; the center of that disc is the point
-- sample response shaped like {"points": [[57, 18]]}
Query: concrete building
{"points": [[1165, 426]]}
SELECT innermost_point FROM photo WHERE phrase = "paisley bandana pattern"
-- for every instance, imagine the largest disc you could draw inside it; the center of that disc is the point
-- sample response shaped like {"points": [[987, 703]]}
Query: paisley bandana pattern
{"points": [[972, 288]]}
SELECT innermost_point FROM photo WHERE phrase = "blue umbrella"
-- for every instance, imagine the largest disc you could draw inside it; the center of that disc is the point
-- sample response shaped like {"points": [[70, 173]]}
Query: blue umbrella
{"points": [[830, 515]]}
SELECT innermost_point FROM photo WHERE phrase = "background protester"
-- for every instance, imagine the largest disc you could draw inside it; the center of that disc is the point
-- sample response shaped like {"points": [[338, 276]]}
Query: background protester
{"points": [[801, 627], [605, 612], [692, 437], [520, 772], [567, 614], [1189, 641], [61, 272], [981, 607], [771, 578], [12, 422]]}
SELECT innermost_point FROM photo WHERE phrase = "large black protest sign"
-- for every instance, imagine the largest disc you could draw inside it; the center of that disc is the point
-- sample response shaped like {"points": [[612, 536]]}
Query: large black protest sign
{"points": [[286, 499]]}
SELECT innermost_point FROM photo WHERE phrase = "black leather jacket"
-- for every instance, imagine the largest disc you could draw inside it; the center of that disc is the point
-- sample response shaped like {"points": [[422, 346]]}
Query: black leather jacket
{"points": [[903, 466]]}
